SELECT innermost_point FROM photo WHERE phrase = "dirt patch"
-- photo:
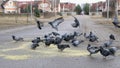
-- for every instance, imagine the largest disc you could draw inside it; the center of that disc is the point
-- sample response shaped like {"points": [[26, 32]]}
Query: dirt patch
{"points": [[104, 22], [107, 23], [97, 17], [11, 22], [7, 22], [101, 20]]}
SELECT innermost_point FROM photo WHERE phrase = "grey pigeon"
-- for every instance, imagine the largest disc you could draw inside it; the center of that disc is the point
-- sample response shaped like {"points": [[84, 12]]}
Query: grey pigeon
{"points": [[56, 22], [108, 51], [17, 38], [92, 49]]}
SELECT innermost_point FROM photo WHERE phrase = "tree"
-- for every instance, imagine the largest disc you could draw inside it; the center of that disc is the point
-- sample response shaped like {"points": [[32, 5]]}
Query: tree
{"points": [[113, 7], [36, 12], [86, 8], [78, 9], [28, 9]]}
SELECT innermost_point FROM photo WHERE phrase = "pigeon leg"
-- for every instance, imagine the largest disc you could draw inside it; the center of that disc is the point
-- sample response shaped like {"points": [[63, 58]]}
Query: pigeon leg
{"points": [[90, 54], [104, 57]]}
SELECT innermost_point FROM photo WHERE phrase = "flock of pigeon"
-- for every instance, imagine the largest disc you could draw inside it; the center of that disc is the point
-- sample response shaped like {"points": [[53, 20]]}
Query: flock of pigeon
{"points": [[71, 39]]}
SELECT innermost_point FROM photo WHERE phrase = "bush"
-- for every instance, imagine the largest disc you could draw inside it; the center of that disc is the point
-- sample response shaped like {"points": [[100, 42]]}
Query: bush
{"points": [[78, 9], [36, 12], [111, 14]]}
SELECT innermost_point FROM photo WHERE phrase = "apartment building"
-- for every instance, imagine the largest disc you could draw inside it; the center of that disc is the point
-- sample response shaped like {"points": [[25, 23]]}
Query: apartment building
{"points": [[13, 6]]}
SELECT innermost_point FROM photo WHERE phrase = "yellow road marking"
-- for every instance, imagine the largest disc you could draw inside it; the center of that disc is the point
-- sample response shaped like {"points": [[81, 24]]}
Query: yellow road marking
{"points": [[41, 51], [17, 57], [23, 46]]}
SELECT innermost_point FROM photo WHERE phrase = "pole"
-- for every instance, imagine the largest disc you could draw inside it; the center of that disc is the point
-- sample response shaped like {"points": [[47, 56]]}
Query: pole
{"points": [[97, 8], [31, 9], [43, 8], [107, 9], [27, 11], [63, 7], [59, 9], [55, 7], [16, 15], [89, 8], [117, 8]]}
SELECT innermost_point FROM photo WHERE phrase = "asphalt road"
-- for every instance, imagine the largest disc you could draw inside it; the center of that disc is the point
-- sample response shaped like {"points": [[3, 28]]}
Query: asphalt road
{"points": [[19, 55]]}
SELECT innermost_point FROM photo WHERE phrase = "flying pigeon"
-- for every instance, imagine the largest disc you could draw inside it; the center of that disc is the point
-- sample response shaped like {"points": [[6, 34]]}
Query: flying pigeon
{"points": [[56, 22], [39, 24], [76, 24]]}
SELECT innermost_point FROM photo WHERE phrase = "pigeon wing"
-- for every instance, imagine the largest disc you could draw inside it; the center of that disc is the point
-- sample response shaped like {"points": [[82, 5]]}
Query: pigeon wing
{"points": [[56, 22], [39, 24]]}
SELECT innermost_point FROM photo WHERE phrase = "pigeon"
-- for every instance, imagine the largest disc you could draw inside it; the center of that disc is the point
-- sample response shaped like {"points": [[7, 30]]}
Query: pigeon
{"points": [[55, 33], [58, 40], [108, 43], [92, 49], [68, 37], [76, 24], [86, 36], [48, 35], [115, 22], [92, 37], [37, 40], [49, 41], [112, 37], [39, 24], [113, 50], [17, 38], [61, 47], [108, 51], [77, 34], [76, 42], [34, 45], [56, 22]]}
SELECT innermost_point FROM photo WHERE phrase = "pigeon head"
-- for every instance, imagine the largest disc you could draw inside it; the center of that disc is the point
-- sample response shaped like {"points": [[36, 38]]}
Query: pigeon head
{"points": [[112, 37], [38, 22], [68, 46], [50, 23], [90, 32], [82, 40], [89, 45], [38, 38], [84, 34], [45, 36], [13, 36], [101, 47]]}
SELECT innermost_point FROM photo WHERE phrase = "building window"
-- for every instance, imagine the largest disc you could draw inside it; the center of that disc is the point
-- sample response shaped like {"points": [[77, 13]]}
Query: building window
{"points": [[10, 3], [8, 11], [13, 12]]}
